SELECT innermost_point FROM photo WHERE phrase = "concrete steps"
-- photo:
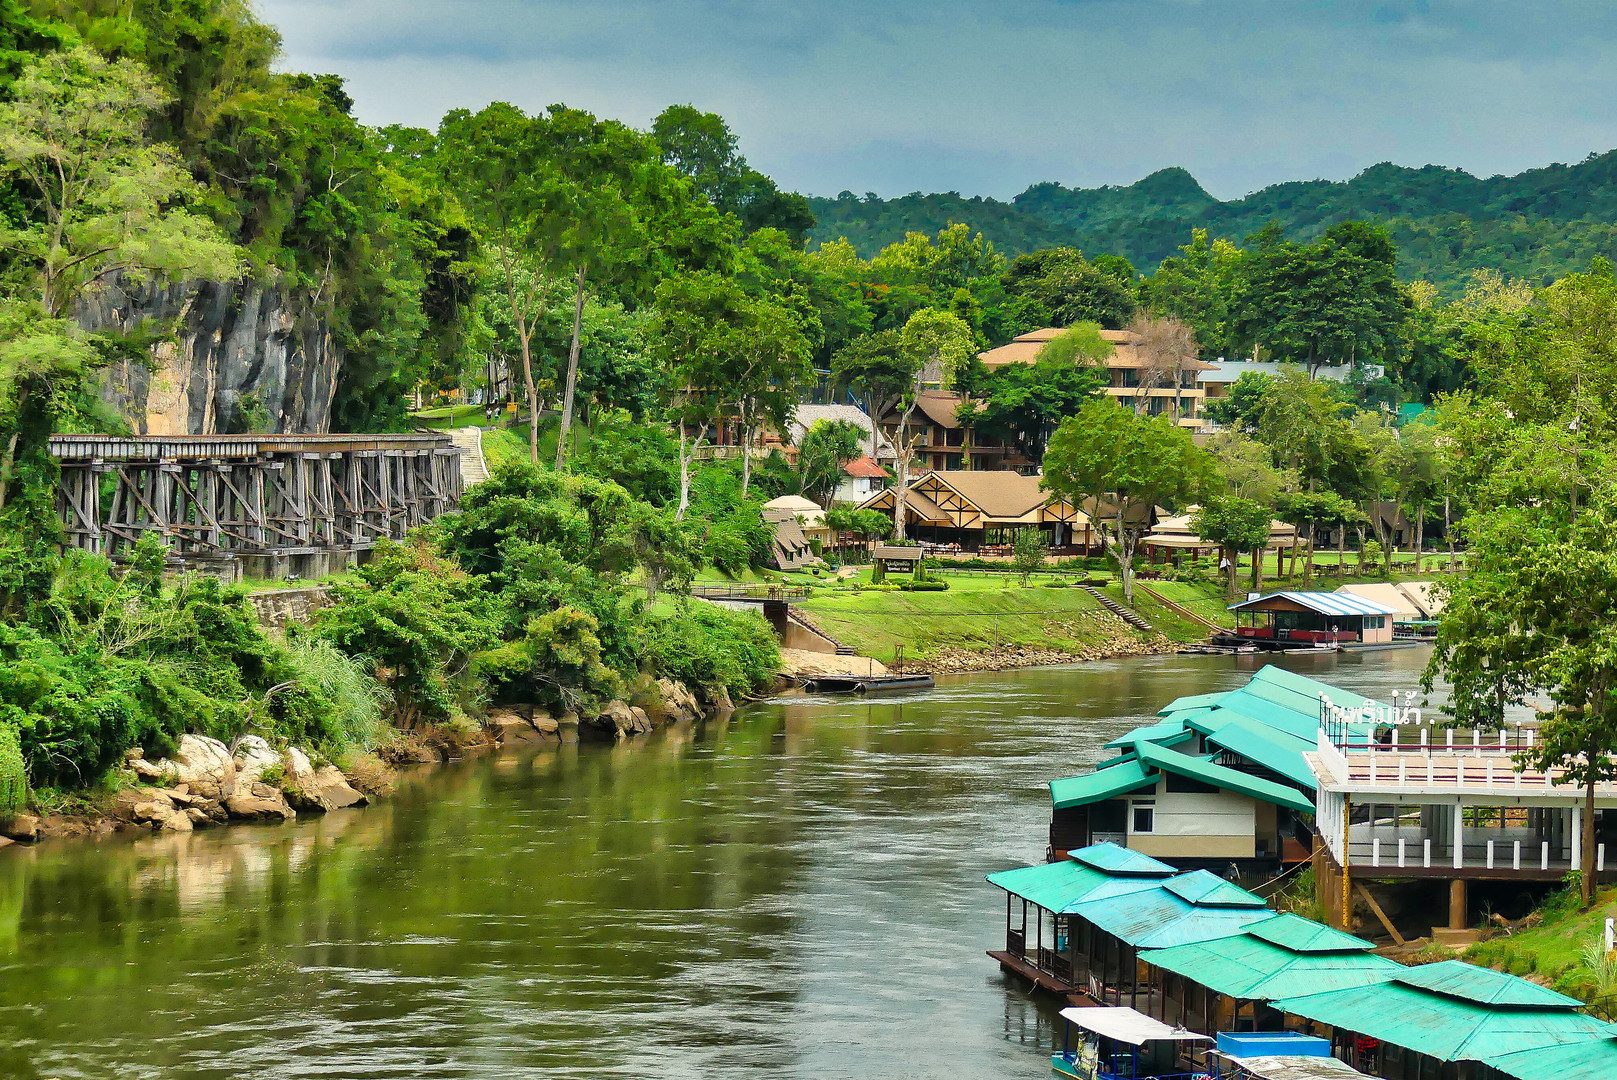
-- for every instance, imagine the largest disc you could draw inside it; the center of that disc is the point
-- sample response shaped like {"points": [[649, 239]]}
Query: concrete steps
{"points": [[473, 469], [1118, 609]]}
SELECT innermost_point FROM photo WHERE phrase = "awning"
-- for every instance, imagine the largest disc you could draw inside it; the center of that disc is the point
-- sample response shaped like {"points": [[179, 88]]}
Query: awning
{"points": [[1324, 603], [1128, 1025], [1107, 783], [1592, 1057], [1298, 1068], [1222, 777]]}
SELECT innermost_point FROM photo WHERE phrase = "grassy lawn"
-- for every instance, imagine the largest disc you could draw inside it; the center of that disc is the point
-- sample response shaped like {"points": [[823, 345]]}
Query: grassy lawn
{"points": [[1205, 600], [977, 613], [449, 416], [1553, 951]]}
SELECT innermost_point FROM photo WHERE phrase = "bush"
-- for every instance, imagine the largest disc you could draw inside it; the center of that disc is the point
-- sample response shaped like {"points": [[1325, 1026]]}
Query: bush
{"points": [[923, 586], [13, 775], [707, 647], [334, 706]]}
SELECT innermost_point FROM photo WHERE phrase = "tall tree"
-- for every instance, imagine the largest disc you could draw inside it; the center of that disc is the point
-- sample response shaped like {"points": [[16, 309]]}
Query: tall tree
{"points": [[934, 345], [825, 448], [1116, 466], [1236, 525], [102, 203], [1533, 615]]}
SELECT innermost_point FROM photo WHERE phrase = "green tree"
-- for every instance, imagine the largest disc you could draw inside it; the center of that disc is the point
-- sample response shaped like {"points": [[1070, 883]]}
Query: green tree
{"points": [[933, 346], [1117, 466], [102, 202], [1059, 287], [825, 448], [701, 147], [1236, 525], [1336, 301], [1028, 551], [1532, 616]]}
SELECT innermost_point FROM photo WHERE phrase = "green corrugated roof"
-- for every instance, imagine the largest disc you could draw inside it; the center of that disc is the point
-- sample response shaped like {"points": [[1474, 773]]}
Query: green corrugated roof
{"points": [[1250, 967], [1485, 986], [1107, 783], [1194, 701], [1221, 776], [1300, 935], [1051, 885], [1120, 861], [1591, 1058], [1155, 918], [1447, 1028], [1168, 733], [1206, 889], [1273, 749]]}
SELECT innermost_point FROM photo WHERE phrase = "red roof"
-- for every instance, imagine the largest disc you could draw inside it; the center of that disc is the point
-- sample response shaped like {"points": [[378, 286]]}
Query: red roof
{"points": [[863, 467]]}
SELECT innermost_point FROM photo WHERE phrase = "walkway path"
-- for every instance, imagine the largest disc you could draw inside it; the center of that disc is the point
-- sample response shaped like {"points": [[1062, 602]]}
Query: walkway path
{"points": [[473, 469]]}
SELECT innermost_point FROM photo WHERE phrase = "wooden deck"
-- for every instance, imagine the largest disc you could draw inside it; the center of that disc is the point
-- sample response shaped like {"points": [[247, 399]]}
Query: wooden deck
{"points": [[1017, 965]]}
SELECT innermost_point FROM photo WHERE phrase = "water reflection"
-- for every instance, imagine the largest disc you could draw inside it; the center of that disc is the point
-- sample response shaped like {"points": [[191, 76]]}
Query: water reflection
{"points": [[796, 891]]}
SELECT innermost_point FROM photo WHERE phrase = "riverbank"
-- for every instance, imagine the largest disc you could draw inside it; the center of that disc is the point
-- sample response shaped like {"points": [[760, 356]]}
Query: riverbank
{"points": [[993, 623], [206, 783]]}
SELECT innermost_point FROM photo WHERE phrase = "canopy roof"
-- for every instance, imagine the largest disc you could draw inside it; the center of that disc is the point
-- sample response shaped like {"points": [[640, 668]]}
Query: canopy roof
{"points": [[1591, 1057], [1300, 935], [1206, 889], [1443, 1027], [1300, 1068], [1158, 918], [1387, 595], [1485, 986], [1325, 603], [1119, 779], [1222, 776], [1249, 967], [1060, 886], [1128, 1025], [1120, 861]]}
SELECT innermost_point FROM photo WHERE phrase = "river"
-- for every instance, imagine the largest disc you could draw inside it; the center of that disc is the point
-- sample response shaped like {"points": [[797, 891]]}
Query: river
{"points": [[796, 891]]}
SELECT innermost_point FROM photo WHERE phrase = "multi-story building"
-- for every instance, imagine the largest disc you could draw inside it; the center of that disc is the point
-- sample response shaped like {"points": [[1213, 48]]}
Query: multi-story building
{"points": [[1135, 377]]}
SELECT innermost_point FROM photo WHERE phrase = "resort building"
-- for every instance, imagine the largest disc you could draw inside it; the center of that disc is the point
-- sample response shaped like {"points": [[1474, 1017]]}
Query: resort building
{"points": [[1219, 779], [1313, 618], [789, 549], [947, 444], [1419, 802], [1134, 377], [1172, 536], [976, 509], [1114, 928]]}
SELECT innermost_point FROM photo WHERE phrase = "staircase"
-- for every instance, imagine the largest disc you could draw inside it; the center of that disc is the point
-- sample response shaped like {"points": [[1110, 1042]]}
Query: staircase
{"points": [[1118, 609], [808, 623], [473, 469]]}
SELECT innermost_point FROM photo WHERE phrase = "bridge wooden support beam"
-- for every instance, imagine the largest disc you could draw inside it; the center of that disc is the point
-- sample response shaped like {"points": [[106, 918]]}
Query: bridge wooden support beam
{"points": [[256, 500]]}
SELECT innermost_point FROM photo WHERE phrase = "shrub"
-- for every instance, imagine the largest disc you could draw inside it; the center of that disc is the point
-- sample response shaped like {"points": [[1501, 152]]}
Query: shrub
{"points": [[923, 586], [557, 661], [13, 776], [334, 705], [706, 647]]}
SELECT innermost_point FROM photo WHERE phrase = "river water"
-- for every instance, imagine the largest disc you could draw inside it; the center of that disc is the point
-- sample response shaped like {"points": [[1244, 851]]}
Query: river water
{"points": [[796, 891]]}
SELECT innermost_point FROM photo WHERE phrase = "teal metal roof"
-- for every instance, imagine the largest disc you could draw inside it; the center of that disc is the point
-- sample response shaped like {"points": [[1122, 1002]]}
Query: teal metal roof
{"points": [[1119, 861], [1485, 986], [1300, 935], [1110, 782], [1273, 749], [1590, 1057], [1206, 889], [1156, 918], [1194, 701], [1169, 733], [1052, 886], [1247, 966], [1447, 1028], [1222, 777]]}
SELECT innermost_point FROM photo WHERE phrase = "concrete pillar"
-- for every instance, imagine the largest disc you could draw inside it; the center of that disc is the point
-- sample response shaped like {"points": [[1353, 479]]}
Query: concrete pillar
{"points": [[1459, 836], [1457, 919], [1577, 837]]}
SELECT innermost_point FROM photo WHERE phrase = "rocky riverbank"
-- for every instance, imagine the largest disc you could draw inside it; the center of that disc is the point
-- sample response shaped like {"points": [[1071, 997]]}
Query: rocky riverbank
{"points": [[948, 660], [206, 782]]}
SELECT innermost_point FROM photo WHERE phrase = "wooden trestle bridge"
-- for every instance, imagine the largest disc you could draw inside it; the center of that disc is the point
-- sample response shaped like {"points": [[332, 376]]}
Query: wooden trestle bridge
{"points": [[252, 505]]}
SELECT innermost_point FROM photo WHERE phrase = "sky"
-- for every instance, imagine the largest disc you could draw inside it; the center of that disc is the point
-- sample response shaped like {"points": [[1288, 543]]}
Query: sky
{"points": [[986, 97]]}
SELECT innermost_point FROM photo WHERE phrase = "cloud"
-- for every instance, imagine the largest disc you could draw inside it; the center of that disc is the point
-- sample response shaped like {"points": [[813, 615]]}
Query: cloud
{"points": [[988, 96]]}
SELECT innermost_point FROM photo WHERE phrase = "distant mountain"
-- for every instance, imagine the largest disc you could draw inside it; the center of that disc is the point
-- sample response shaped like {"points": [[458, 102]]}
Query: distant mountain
{"points": [[1538, 225]]}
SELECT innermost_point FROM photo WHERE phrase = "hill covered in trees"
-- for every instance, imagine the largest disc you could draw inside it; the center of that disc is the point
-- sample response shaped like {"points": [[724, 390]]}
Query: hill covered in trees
{"points": [[1537, 225]]}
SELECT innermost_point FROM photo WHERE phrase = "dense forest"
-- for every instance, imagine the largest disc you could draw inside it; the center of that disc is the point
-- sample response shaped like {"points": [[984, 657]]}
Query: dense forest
{"points": [[1537, 225]]}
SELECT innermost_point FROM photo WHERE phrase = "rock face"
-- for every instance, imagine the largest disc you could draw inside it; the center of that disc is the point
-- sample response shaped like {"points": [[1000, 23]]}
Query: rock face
{"points": [[254, 757], [255, 807], [678, 703], [23, 828], [244, 359]]}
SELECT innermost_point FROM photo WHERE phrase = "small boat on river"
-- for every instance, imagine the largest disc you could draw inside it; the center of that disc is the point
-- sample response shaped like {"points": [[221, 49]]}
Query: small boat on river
{"points": [[1119, 1043]]}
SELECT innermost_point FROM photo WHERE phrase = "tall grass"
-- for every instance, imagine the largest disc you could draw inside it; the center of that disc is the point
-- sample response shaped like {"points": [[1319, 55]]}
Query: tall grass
{"points": [[358, 721]]}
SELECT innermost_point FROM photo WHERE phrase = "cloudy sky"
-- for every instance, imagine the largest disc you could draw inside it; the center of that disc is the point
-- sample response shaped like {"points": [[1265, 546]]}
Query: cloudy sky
{"points": [[989, 96]]}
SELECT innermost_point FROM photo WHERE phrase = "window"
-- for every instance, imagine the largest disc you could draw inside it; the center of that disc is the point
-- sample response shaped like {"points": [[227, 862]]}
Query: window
{"points": [[1145, 817], [1184, 785]]}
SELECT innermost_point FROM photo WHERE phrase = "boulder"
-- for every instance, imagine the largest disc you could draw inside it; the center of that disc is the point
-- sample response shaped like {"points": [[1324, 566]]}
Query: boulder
{"points": [[335, 789], [197, 817], [298, 766], [201, 758], [642, 722], [545, 724], [23, 828], [152, 772], [6, 841], [678, 701], [511, 728], [254, 757], [720, 698], [619, 718], [259, 808]]}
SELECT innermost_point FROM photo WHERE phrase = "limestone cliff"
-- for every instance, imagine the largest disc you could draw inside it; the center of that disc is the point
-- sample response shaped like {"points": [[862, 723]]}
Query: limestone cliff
{"points": [[241, 359]]}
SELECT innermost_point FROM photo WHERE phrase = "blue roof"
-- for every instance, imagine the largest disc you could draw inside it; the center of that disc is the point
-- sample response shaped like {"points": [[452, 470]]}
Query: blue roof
{"points": [[1326, 603]]}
